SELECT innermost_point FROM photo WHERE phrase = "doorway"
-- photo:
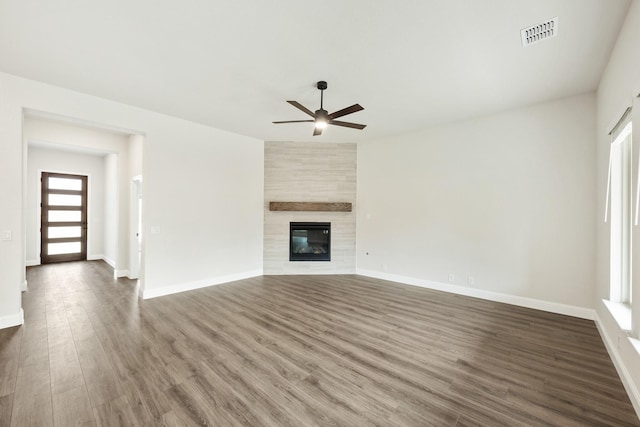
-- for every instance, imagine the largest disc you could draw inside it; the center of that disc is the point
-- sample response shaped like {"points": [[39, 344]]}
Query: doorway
{"points": [[63, 226]]}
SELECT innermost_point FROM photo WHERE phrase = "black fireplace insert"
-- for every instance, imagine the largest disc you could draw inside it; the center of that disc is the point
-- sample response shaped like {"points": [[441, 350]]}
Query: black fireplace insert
{"points": [[310, 241]]}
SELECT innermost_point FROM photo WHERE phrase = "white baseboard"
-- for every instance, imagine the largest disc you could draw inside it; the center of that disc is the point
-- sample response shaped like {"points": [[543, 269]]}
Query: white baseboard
{"points": [[553, 307], [182, 287], [628, 381], [310, 272], [120, 273], [116, 273], [13, 320], [24, 287], [34, 262], [109, 261]]}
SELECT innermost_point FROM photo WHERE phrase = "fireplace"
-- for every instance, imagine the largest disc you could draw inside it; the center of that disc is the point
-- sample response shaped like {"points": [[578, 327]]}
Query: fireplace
{"points": [[310, 241]]}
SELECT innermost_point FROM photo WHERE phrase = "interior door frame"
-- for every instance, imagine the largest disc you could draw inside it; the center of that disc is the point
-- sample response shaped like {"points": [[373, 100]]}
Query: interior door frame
{"points": [[135, 247], [83, 223]]}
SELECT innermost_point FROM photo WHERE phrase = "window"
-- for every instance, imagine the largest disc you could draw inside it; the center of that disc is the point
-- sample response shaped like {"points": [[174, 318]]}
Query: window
{"points": [[619, 205]]}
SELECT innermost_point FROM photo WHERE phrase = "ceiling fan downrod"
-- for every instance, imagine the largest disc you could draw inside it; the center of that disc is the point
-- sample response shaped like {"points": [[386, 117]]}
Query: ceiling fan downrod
{"points": [[322, 85]]}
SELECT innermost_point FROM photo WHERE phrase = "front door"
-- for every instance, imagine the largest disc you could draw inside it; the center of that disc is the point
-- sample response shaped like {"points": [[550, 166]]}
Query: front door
{"points": [[64, 218]]}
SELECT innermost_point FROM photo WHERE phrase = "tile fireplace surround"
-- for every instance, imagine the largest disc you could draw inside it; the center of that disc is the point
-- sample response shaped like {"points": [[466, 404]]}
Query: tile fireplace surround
{"points": [[309, 172]]}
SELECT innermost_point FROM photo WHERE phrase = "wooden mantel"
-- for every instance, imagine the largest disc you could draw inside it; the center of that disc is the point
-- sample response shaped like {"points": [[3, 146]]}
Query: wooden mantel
{"points": [[310, 206]]}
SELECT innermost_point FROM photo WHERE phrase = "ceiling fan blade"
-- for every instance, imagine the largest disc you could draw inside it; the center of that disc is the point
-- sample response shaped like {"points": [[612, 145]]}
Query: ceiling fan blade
{"points": [[317, 131], [347, 124], [302, 108], [345, 111], [295, 121]]}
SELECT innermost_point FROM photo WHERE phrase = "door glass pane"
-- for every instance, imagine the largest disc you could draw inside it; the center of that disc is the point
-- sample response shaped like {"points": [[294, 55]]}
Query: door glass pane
{"points": [[65, 216], [63, 248], [65, 200], [65, 184], [59, 232]]}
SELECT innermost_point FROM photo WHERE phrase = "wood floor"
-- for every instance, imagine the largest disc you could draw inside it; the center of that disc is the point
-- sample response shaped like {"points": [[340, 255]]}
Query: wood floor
{"points": [[296, 351]]}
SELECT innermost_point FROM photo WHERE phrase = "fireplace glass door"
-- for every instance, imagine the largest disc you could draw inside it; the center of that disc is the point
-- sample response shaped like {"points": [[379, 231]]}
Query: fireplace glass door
{"points": [[310, 241]]}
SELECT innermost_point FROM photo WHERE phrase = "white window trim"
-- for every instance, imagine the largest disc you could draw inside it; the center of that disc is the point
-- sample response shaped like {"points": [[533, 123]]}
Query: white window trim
{"points": [[620, 215], [621, 312]]}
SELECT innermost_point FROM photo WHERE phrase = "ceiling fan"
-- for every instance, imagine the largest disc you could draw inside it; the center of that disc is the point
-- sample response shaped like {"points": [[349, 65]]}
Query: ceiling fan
{"points": [[322, 118]]}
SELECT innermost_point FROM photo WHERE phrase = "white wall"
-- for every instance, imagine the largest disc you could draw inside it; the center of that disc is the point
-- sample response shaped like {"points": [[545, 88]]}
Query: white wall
{"points": [[12, 187], [619, 87], [111, 208], [54, 160], [136, 143], [507, 199], [203, 189]]}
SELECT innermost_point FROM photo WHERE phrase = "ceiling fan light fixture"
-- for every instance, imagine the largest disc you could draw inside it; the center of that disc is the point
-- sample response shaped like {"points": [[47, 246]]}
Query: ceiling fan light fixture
{"points": [[321, 120], [321, 124]]}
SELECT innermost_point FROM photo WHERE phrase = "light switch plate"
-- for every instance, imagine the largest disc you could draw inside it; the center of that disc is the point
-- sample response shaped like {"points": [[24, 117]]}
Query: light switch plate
{"points": [[6, 235]]}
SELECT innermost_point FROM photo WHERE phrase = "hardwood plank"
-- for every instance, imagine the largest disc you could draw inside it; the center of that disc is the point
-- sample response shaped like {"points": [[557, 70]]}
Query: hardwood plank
{"points": [[6, 406], [101, 382], [10, 340], [368, 406], [204, 403], [32, 399], [64, 367], [116, 412], [176, 418], [579, 411], [233, 380], [147, 402], [34, 346], [72, 408], [436, 417]]}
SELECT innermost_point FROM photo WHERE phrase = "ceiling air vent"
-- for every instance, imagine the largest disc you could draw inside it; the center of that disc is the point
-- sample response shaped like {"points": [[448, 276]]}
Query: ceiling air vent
{"points": [[539, 32]]}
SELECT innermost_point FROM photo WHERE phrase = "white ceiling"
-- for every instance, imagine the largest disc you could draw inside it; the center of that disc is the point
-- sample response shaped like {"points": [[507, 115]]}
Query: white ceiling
{"points": [[233, 64]]}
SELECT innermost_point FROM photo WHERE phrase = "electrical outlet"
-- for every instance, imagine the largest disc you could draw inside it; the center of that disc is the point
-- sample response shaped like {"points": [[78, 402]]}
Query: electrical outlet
{"points": [[384, 267], [452, 277], [471, 280]]}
